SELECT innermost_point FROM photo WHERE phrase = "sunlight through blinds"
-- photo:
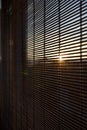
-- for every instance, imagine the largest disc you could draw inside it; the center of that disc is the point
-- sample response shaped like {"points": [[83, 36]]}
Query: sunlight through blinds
{"points": [[56, 59]]}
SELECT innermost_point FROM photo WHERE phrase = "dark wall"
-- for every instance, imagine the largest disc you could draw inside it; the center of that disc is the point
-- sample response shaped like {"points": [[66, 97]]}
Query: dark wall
{"points": [[5, 62]]}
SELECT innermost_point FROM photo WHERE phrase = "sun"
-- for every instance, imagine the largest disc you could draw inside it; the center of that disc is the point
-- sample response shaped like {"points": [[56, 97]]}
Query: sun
{"points": [[60, 58]]}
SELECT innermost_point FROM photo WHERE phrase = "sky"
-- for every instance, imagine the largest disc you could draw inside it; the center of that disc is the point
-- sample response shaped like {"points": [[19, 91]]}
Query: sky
{"points": [[70, 30]]}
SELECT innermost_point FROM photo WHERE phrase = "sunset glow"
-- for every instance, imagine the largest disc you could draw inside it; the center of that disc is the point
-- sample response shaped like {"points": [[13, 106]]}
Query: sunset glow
{"points": [[60, 58]]}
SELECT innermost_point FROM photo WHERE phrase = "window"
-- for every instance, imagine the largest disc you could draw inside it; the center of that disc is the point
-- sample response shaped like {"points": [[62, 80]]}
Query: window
{"points": [[56, 45]]}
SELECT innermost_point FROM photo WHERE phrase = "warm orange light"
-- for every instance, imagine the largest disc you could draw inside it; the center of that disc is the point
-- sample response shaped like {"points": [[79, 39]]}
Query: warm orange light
{"points": [[60, 58]]}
